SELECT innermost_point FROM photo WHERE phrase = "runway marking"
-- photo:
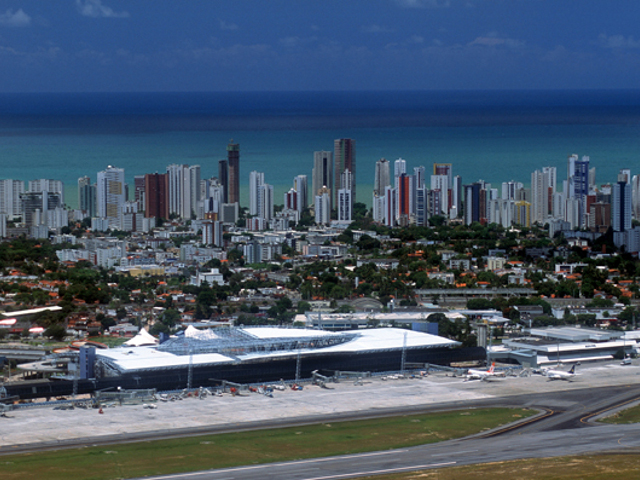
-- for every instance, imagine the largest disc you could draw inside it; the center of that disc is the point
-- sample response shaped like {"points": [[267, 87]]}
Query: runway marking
{"points": [[379, 472], [520, 424], [450, 453], [620, 440], [586, 418], [263, 465]]}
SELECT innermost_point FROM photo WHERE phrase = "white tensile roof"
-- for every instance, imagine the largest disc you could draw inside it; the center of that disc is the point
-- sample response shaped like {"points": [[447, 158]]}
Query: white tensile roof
{"points": [[365, 340], [142, 338]]}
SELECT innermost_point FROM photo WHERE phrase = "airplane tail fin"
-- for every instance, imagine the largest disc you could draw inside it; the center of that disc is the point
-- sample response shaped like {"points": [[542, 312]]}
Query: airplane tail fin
{"points": [[493, 366], [573, 370]]}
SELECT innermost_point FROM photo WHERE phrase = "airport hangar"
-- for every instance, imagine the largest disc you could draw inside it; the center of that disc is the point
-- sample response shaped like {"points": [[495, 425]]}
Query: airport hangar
{"points": [[566, 344], [248, 355]]}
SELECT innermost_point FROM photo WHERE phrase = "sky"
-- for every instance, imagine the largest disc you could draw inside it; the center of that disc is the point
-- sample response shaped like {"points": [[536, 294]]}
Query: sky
{"points": [[302, 45]]}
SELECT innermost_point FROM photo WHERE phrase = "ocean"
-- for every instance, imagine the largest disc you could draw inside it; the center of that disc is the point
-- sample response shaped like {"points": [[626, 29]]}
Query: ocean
{"points": [[493, 136]]}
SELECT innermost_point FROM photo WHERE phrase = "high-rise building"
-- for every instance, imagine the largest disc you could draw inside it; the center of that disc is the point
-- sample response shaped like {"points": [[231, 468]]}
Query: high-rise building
{"points": [[421, 206], [233, 159], [183, 189], [403, 193], [472, 203], [86, 197], [600, 217], [292, 200], [256, 179], [344, 154], [382, 176], [82, 182], [377, 208], [265, 201], [417, 182], [110, 193], [10, 191], [88, 201], [47, 185], [300, 185], [456, 197], [36, 206], [399, 167], [578, 180], [223, 179], [323, 207], [621, 205], [345, 203], [390, 206], [440, 183], [522, 213], [322, 172], [539, 197], [444, 169], [138, 190], [156, 187], [510, 190], [635, 196], [212, 233]]}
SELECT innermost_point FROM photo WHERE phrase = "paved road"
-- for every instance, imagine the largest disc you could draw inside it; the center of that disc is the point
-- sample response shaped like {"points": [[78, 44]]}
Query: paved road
{"points": [[445, 454], [563, 428]]}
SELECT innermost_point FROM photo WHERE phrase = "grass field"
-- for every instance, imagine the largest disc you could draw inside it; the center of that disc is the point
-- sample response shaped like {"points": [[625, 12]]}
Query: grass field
{"points": [[629, 415], [584, 467], [261, 446]]}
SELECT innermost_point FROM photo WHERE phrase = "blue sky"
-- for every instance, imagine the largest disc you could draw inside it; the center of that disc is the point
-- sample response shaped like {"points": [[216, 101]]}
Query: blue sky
{"points": [[253, 45]]}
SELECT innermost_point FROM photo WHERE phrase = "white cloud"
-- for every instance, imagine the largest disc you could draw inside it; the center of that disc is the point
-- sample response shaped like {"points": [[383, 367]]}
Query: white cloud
{"points": [[618, 41], [493, 40], [294, 42], [227, 26], [416, 39], [15, 19], [95, 9], [376, 29], [423, 3], [289, 42]]}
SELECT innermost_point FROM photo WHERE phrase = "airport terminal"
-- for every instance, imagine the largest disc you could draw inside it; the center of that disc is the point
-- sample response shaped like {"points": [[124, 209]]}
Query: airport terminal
{"points": [[198, 358]]}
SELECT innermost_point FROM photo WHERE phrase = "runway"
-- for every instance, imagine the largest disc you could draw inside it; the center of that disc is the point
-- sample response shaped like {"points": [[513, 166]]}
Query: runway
{"points": [[562, 430], [563, 427]]}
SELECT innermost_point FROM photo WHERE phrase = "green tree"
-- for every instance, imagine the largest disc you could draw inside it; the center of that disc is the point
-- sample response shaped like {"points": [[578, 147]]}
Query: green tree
{"points": [[56, 331]]}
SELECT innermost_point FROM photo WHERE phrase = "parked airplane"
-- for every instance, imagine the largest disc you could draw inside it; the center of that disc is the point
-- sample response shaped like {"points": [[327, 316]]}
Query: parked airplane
{"points": [[473, 374], [561, 374]]}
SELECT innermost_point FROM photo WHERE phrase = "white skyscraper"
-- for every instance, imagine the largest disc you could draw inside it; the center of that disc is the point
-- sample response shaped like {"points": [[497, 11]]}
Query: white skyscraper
{"points": [[47, 185], [256, 180], [539, 197], [10, 191], [635, 196], [441, 184], [191, 191], [184, 189], [110, 193], [323, 207], [300, 185], [382, 176], [399, 167], [265, 201], [345, 197]]}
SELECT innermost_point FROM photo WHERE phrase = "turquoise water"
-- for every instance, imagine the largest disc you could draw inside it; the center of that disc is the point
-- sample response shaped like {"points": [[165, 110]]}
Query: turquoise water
{"points": [[67, 147]]}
